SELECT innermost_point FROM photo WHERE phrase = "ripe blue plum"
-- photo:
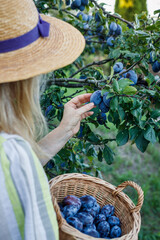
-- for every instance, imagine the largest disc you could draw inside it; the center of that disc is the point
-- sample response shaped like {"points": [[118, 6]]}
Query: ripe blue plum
{"points": [[84, 16], [85, 218], [85, 26], [67, 2], [73, 5], [93, 50], [115, 232], [99, 218], [82, 7], [118, 67], [101, 118], [113, 220], [48, 109], [93, 226], [113, 26], [94, 210], [87, 201], [103, 107], [103, 228], [85, 2], [97, 17], [50, 164], [96, 97], [108, 210], [91, 232], [70, 210], [77, 3], [106, 101], [100, 28], [75, 222], [61, 206], [72, 200], [156, 66], [118, 30], [110, 41], [132, 76]]}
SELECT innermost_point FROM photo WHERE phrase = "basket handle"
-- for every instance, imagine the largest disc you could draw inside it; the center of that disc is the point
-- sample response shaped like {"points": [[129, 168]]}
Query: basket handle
{"points": [[123, 185]]}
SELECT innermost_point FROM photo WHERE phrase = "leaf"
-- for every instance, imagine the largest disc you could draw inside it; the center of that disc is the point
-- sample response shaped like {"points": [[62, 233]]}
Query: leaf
{"points": [[100, 155], [129, 90], [116, 53], [124, 83], [122, 137], [112, 73], [114, 103], [150, 135], [155, 114], [108, 155], [134, 132], [115, 85], [141, 142], [121, 113], [77, 147], [157, 11]]}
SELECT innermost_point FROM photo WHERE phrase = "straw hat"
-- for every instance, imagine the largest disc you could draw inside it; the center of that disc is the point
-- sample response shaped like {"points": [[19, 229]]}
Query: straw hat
{"points": [[19, 21]]}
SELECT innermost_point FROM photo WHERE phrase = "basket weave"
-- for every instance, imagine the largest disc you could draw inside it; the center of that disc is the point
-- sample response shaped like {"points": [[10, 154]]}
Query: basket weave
{"points": [[105, 193]]}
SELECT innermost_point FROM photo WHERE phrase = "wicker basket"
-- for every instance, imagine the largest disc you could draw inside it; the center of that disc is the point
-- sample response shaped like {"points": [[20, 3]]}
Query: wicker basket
{"points": [[105, 193]]}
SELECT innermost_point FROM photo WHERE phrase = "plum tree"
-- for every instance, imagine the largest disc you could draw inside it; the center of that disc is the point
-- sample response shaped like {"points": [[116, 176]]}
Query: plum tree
{"points": [[132, 95]]}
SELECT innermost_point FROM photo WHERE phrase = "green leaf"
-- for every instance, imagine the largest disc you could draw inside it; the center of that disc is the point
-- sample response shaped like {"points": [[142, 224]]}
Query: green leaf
{"points": [[121, 113], [129, 90], [137, 113], [112, 73], [155, 114], [116, 53], [108, 155], [150, 135], [77, 147], [141, 142], [114, 103], [134, 131], [157, 11], [122, 137], [124, 83], [116, 86], [100, 156]]}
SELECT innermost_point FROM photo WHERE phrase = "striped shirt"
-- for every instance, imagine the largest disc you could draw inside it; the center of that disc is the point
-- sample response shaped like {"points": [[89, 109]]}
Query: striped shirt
{"points": [[26, 210]]}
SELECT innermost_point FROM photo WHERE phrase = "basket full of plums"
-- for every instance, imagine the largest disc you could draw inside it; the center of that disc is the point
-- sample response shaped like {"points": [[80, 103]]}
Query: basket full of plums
{"points": [[91, 208]]}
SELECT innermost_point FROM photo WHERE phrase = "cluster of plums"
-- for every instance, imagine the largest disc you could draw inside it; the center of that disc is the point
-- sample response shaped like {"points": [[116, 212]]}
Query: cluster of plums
{"points": [[114, 31], [86, 215], [78, 4], [131, 74], [155, 64], [102, 103]]}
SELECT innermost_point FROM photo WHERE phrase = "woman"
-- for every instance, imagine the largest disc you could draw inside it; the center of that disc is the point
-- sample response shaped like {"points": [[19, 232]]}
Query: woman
{"points": [[31, 45]]}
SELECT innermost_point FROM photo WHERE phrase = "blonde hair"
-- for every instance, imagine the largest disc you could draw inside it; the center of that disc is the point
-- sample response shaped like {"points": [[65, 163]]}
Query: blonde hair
{"points": [[20, 111]]}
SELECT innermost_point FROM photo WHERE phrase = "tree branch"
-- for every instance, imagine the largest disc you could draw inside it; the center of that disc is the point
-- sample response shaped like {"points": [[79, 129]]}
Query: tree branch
{"points": [[111, 15], [92, 64]]}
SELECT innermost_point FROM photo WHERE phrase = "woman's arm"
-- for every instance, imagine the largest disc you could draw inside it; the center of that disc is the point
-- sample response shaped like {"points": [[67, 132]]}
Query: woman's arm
{"points": [[74, 112]]}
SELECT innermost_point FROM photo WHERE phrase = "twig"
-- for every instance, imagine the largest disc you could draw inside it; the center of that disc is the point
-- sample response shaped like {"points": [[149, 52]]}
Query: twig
{"points": [[111, 15], [92, 64]]}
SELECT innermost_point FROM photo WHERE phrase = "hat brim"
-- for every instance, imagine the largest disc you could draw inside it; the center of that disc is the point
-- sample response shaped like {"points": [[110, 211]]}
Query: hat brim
{"points": [[64, 44]]}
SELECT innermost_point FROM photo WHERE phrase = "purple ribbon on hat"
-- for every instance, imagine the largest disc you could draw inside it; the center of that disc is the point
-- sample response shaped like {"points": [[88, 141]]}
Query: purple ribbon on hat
{"points": [[41, 30]]}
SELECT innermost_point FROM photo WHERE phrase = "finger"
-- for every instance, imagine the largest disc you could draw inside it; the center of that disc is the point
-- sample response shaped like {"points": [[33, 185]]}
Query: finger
{"points": [[80, 99], [85, 108], [87, 114]]}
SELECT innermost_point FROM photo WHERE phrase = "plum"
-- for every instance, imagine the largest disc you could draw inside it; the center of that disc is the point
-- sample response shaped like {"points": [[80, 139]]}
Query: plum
{"points": [[118, 67], [113, 26], [110, 41], [91, 232], [118, 30], [72, 200], [93, 226], [85, 26], [99, 218], [82, 7], [103, 228], [85, 218], [75, 222], [101, 118], [132, 76], [156, 66], [113, 220], [77, 3], [61, 206], [48, 109], [96, 97], [103, 107], [115, 232], [107, 210], [67, 2], [97, 17], [106, 101], [70, 210], [84, 2], [94, 210]]}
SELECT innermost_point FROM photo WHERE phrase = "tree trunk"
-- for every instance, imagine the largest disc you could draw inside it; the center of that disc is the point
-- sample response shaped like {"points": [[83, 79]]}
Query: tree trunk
{"points": [[128, 8]]}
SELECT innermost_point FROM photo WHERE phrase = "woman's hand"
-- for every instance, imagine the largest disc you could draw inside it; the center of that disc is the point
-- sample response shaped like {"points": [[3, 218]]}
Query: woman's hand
{"points": [[74, 111]]}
